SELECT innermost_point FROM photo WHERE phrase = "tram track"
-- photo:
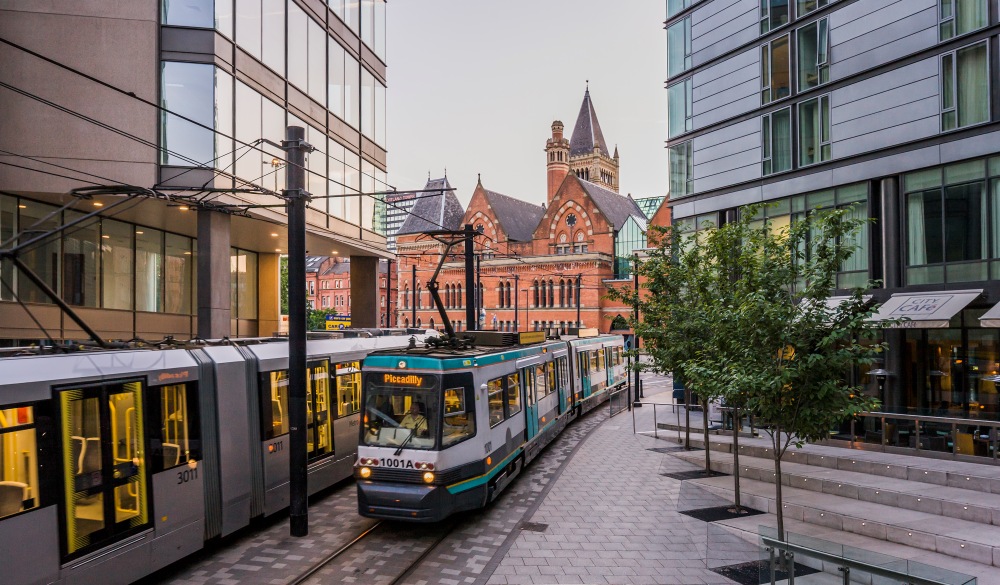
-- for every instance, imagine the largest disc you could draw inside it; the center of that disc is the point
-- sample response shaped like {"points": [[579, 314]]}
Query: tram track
{"points": [[382, 554]]}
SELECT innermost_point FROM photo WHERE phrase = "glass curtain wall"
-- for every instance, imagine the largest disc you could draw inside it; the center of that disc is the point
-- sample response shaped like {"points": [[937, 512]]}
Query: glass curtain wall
{"points": [[81, 259], [679, 99], [681, 179], [243, 278], [951, 223], [8, 227], [630, 238], [679, 47], [773, 13]]}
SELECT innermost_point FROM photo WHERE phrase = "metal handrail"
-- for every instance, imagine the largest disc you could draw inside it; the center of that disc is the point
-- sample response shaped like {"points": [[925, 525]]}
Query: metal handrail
{"points": [[847, 564], [918, 419]]}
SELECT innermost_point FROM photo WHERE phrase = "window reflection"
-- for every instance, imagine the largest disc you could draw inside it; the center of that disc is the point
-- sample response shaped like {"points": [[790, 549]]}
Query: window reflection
{"points": [[188, 90], [193, 13], [80, 259], [273, 34], [116, 263], [44, 259], [148, 270]]}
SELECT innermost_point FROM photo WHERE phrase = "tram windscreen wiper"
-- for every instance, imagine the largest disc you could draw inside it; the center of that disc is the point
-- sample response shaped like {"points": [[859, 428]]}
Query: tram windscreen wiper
{"points": [[413, 433]]}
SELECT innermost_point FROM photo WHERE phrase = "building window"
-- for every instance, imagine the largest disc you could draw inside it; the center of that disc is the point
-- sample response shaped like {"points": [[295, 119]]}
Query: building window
{"points": [[679, 47], [965, 87], [189, 91], [951, 221], [958, 17], [243, 284], [681, 177], [679, 108], [773, 13], [675, 6], [814, 131], [776, 141], [814, 54], [774, 67], [804, 7]]}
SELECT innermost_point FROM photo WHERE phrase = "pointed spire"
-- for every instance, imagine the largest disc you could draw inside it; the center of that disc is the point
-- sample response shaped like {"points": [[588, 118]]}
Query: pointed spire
{"points": [[479, 179], [587, 134]]}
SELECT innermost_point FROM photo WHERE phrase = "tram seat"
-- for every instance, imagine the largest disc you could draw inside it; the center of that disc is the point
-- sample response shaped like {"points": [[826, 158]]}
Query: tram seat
{"points": [[12, 494]]}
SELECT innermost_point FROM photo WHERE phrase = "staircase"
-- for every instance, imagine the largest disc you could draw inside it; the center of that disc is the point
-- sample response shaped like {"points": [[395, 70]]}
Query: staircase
{"points": [[939, 512]]}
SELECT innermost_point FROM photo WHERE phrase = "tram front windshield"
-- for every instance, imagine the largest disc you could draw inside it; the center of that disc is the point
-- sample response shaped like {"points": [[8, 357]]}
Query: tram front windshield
{"points": [[401, 410]]}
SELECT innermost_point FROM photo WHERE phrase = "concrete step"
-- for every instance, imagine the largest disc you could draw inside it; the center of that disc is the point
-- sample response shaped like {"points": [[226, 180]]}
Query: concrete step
{"points": [[954, 502], [980, 477], [950, 536], [858, 545]]}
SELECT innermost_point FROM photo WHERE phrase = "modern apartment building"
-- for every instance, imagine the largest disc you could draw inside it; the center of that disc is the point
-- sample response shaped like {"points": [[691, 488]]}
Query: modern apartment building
{"points": [[891, 107], [242, 70]]}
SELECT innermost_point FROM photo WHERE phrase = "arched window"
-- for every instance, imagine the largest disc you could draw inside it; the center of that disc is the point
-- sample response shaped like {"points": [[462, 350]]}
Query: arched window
{"points": [[535, 287], [480, 289], [419, 299], [507, 289], [420, 322], [406, 297], [552, 293], [562, 293], [406, 322], [619, 323], [459, 301], [432, 322]]}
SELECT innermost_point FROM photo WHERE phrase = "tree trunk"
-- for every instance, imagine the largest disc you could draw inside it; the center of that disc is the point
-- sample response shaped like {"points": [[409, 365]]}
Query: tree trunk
{"points": [[779, 506], [708, 449], [687, 418], [736, 460]]}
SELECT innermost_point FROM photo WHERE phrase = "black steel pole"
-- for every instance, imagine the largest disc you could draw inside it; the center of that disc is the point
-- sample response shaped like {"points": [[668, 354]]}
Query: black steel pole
{"points": [[479, 297], [296, 195], [413, 297], [578, 279], [517, 302], [471, 318], [635, 332]]}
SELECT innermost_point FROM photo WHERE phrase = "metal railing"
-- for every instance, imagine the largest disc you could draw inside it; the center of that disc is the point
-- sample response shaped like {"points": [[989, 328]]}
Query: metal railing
{"points": [[782, 555], [929, 433]]}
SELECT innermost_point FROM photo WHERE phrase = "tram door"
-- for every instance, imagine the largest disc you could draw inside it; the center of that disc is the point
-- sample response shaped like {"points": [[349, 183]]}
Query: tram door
{"points": [[104, 465], [530, 404], [584, 373], [609, 365]]}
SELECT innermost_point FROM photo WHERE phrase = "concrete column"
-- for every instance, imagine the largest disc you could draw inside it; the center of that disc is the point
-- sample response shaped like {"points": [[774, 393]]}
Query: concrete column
{"points": [[364, 291], [214, 286], [268, 295]]}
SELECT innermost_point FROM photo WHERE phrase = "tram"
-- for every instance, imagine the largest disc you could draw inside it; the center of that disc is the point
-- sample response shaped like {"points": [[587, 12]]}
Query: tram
{"points": [[116, 463], [446, 428]]}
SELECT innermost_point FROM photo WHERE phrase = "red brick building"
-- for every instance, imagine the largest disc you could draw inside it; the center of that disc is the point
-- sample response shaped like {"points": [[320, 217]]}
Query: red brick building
{"points": [[328, 287], [541, 266]]}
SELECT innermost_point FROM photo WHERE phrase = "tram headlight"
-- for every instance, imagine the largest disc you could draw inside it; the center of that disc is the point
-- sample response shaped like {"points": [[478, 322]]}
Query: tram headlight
{"points": [[365, 472], [428, 477]]}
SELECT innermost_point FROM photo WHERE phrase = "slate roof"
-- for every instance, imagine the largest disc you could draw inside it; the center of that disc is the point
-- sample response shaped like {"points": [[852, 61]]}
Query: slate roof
{"points": [[434, 210], [518, 218], [587, 132], [344, 267], [313, 262], [616, 208]]}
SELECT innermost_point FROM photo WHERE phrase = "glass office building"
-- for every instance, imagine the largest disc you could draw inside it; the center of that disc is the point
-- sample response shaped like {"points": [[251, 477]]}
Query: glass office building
{"points": [[887, 108]]}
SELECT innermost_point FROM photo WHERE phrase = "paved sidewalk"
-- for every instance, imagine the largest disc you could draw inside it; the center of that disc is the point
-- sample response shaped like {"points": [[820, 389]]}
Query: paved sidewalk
{"points": [[613, 518]]}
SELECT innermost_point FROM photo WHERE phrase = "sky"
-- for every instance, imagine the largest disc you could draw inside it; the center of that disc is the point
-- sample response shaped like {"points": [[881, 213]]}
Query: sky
{"points": [[474, 85]]}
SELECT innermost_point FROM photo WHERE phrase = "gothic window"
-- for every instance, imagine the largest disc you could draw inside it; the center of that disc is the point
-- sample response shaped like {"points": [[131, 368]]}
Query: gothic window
{"points": [[535, 287], [562, 293], [571, 219], [552, 289], [459, 301], [507, 290], [479, 227]]}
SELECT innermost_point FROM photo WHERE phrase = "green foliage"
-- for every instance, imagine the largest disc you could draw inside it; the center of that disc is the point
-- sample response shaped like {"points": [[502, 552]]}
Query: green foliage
{"points": [[740, 312], [316, 319]]}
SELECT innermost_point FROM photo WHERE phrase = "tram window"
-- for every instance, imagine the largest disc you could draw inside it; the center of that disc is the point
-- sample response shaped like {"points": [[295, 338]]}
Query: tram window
{"points": [[274, 407], [319, 435], [540, 387], [494, 391], [174, 436], [550, 370], [348, 388], [513, 394], [529, 384], [18, 461], [564, 372], [601, 359], [103, 436], [459, 423], [593, 362]]}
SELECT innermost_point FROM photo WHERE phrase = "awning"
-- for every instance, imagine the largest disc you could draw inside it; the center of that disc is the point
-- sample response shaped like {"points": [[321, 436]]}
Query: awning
{"points": [[991, 318], [926, 310]]}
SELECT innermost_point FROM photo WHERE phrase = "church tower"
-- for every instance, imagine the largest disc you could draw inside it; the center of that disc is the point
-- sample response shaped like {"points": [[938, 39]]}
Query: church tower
{"points": [[557, 157], [589, 158]]}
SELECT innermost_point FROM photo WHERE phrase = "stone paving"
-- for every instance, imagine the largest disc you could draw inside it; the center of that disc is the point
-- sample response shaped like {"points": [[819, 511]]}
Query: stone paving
{"points": [[594, 508]]}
